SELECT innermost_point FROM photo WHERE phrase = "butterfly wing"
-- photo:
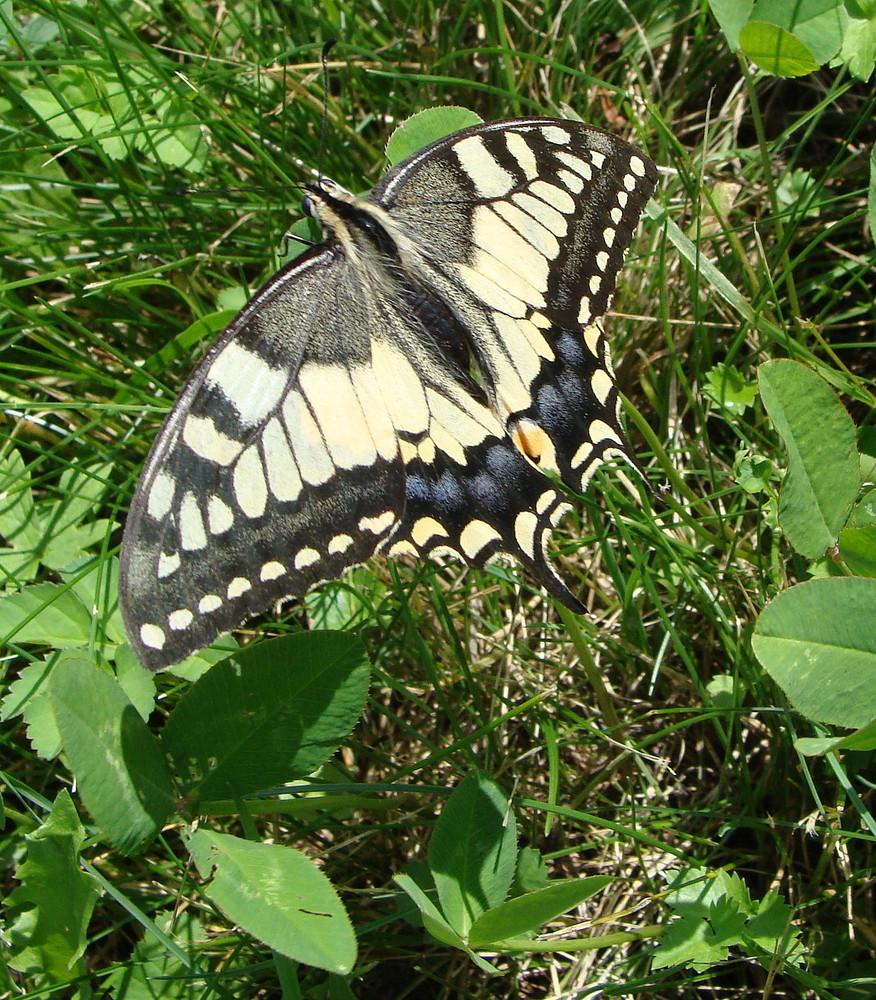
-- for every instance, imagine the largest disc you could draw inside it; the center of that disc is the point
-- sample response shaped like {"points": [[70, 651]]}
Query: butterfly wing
{"points": [[522, 226], [278, 466], [339, 414]]}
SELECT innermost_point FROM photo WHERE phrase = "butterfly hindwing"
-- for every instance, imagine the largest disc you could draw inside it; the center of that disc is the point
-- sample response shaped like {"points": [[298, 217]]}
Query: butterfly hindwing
{"points": [[543, 214], [399, 388]]}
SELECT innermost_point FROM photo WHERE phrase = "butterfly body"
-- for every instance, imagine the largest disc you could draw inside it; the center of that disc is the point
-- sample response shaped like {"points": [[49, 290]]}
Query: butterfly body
{"points": [[401, 387]]}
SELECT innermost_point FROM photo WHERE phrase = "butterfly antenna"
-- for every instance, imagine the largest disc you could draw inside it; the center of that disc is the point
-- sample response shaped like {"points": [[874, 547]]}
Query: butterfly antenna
{"points": [[329, 45]]}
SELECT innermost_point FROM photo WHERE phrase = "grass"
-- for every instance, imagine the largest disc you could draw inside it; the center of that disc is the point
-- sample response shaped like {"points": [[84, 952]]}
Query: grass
{"points": [[643, 739]]}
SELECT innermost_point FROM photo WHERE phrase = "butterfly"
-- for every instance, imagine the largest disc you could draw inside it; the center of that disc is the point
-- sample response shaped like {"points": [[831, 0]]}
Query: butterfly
{"points": [[400, 388]]}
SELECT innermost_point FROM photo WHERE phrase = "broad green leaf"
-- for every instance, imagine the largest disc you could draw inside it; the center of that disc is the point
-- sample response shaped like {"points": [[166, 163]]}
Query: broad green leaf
{"points": [[822, 480], [771, 929], [426, 127], [473, 851], [818, 642], [731, 15], [775, 50], [121, 773], [48, 938], [46, 614], [279, 896], [858, 549], [708, 920], [525, 914], [274, 713]]}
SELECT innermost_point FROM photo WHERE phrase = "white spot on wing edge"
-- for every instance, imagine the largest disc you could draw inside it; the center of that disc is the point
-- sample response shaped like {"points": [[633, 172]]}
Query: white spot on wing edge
{"points": [[180, 619], [425, 529], [205, 440], [378, 524], [271, 570], [601, 383], [554, 196], [283, 477], [192, 534], [220, 517], [208, 603], [152, 636], [553, 133], [167, 564], [339, 544], [523, 153], [238, 587], [305, 557]]}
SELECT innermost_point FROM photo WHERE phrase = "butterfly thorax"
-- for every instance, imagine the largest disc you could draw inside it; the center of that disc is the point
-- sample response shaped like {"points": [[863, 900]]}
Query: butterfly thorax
{"points": [[364, 230]]}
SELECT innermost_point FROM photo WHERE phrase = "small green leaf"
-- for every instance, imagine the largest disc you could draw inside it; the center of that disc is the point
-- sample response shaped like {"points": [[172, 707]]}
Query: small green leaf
{"points": [[752, 472], [525, 914], [818, 642], [46, 614], [871, 195], [532, 872], [27, 696], [438, 926], [858, 50], [426, 127], [122, 775], [858, 549], [726, 387], [279, 896], [822, 480], [272, 714], [861, 739], [775, 50], [473, 851], [95, 581], [20, 525], [54, 902]]}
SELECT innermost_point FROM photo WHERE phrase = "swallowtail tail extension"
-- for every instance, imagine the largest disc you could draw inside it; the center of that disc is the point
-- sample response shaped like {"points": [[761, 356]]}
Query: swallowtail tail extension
{"points": [[398, 388]]}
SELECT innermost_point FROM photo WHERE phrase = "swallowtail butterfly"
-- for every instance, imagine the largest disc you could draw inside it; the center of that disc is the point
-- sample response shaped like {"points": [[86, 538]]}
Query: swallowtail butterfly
{"points": [[398, 388]]}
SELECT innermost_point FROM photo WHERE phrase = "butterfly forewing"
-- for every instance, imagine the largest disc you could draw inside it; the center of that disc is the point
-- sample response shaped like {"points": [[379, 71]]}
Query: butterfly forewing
{"points": [[239, 504], [398, 388]]}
